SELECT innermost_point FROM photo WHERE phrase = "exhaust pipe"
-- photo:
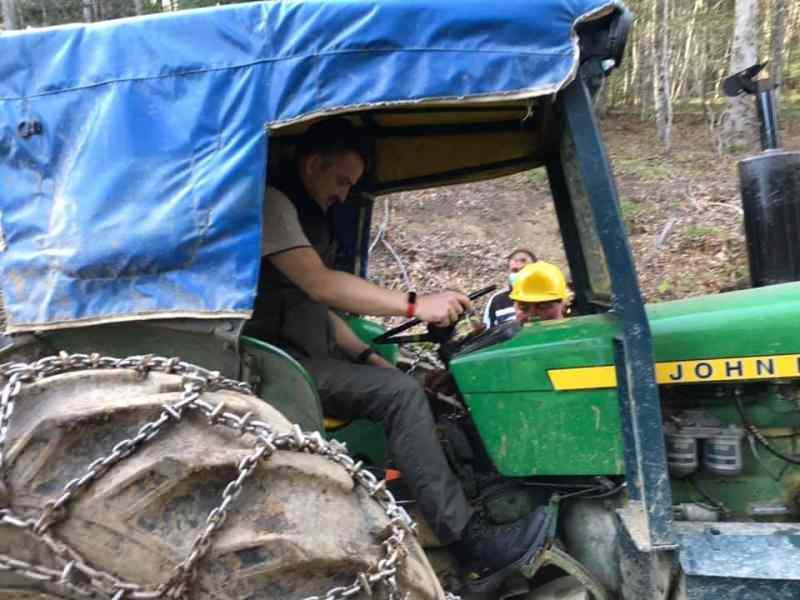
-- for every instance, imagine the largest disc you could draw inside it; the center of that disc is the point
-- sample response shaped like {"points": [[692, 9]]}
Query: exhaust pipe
{"points": [[770, 189]]}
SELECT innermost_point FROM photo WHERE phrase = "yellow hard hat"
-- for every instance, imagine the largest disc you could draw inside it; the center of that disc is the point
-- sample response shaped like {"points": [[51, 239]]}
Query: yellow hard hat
{"points": [[539, 282]]}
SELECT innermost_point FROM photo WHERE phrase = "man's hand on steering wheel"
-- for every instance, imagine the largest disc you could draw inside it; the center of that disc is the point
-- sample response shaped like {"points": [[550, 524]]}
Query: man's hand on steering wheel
{"points": [[442, 309]]}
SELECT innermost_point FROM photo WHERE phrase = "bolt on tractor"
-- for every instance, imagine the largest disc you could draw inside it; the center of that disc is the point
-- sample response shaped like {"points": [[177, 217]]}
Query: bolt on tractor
{"points": [[661, 439]]}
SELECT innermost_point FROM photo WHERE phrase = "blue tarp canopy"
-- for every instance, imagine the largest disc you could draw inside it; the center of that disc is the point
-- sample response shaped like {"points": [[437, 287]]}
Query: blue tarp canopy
{"points": [[133, 152]]}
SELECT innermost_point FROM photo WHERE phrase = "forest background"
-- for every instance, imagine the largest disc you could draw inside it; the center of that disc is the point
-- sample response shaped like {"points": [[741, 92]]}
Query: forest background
{"points": [[673, 137]]}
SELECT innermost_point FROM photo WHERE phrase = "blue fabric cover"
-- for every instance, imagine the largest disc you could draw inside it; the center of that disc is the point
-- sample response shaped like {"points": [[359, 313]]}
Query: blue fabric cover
{"points": [[141, 197]]}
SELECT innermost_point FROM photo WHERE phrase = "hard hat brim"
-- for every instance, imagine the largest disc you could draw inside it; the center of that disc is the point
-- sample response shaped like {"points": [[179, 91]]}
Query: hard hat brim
{"points": [[533, 298]]}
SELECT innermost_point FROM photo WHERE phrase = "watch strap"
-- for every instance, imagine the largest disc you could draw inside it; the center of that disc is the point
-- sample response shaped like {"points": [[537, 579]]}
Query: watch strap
{"points": [[411, 308], [364, 355]]}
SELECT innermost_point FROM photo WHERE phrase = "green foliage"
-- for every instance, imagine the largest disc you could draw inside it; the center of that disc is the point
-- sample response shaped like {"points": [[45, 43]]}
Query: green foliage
{"points": [[700, 232], [682, 285], [647, 170], [537, 177], [630, 209]]}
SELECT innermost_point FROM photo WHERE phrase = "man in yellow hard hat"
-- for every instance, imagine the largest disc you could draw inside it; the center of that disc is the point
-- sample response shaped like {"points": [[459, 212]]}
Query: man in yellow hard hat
{"points": [[539, 293]]}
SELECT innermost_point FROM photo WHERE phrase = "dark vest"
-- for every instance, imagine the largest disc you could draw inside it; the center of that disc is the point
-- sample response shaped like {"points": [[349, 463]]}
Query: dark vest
{"points": [[284, 314]]}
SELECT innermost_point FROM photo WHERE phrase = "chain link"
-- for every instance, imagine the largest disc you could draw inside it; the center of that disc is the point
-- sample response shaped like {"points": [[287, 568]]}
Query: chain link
{"points": [[77, 576], [414, 364], [423, 356]]}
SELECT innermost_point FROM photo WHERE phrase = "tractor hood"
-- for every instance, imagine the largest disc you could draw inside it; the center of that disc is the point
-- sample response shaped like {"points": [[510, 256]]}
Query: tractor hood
{"points": [[744, 335], [545, 402]]}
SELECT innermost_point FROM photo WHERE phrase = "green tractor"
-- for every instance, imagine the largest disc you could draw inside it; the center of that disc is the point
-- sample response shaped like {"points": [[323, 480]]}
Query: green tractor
{"points": [[133, 158]]}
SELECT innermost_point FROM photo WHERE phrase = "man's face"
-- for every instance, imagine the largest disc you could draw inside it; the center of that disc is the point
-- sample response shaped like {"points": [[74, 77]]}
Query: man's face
{"points": [[517, 261], [328, 178], [541, 311]]}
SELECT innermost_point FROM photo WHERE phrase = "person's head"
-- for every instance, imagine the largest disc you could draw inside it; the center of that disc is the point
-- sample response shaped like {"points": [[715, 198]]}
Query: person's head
{"points": [[539, 293], [516, 261], [538, 311], [331, 158]]}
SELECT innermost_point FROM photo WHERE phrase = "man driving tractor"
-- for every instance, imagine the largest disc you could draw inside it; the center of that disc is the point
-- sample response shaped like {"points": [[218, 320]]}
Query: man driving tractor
{"points": [[298, 291]]}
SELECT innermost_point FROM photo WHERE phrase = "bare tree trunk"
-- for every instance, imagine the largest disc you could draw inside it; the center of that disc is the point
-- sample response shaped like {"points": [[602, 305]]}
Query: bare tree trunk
{"points": [[663, 103], [681, 84], [648, 57], [628, 69], [633, 91], [776, 44], [138, 7], [9, 15], [738, 126], [631, 87], [792, 33], [700, 67], [88, 13], [792, 25], [676, 41]]}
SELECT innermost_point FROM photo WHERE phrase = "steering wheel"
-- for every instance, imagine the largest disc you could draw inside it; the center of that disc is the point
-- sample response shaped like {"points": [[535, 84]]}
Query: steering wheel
{"points": [[435, 334]]}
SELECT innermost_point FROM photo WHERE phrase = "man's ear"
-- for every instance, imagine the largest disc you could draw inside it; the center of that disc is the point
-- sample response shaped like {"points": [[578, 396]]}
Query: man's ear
{"points": [[312, 164]]}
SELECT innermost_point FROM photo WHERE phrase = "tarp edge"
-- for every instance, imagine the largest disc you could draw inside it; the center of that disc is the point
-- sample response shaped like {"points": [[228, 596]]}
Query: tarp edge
{"points": [[60, 325]]}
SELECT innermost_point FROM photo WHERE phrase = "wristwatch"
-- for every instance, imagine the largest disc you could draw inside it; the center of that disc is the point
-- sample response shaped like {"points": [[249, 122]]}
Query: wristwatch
{"points": [[364, 355]]}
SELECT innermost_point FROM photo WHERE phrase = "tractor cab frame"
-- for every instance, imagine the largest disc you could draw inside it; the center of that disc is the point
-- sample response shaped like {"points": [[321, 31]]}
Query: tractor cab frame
{"points": [[134, 167]]}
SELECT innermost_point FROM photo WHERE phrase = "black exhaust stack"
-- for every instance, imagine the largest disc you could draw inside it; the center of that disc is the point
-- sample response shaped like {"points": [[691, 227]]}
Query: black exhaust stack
{"points": [[770, 187]]}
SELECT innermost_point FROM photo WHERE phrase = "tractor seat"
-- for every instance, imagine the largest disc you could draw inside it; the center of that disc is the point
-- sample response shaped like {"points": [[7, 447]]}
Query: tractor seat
{"points": [[288, 386]]}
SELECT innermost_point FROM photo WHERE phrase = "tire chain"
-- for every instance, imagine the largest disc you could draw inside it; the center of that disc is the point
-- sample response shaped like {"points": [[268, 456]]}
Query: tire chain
{"points": [[79, 577]]}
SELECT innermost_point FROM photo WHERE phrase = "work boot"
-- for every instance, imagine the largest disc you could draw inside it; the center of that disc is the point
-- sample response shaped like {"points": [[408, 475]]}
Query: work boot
{"points": [[488, 549]]}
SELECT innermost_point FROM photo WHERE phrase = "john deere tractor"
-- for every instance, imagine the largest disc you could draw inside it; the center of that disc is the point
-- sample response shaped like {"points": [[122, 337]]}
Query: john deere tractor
{"points": [[149, 449]]}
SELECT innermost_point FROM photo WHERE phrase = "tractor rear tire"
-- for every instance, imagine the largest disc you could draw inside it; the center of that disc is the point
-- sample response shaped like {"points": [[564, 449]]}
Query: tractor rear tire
{"points": [[299, 528]]}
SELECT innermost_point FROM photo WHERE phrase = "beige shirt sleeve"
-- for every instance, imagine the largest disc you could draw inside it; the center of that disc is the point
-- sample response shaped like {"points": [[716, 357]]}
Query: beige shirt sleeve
{"points": [[281, 229]]}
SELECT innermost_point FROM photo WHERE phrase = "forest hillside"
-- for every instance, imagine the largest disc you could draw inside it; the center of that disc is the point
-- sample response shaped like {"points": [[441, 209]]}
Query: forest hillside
{"points": [[682, 211]]}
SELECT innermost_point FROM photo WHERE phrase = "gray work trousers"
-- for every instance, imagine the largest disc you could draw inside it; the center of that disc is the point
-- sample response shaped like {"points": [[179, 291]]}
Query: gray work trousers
{"points": [[396, 400]]}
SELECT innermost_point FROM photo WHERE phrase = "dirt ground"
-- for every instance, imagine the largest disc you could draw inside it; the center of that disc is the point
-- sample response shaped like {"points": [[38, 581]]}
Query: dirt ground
{"points": [[682, 211]]}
